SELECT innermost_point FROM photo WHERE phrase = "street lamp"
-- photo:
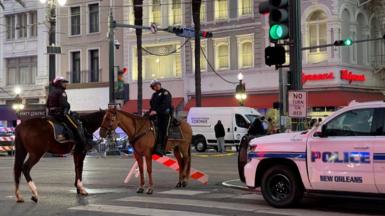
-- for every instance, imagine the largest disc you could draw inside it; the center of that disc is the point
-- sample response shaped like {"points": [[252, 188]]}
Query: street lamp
{"points": [[240, 90], [18, 105], [51, 48]]}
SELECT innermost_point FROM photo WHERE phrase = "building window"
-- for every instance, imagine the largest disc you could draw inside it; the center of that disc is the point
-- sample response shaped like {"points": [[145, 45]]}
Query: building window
{"points": [[221, 9], [203, 61], [94, 17], [246, 54], [159, 67], [75, 20], [21, 71], [203, 12], [22, 25], [222, 55], [317, 22], [33, 24], [10, 25], [176, 9], [75, 67], [245, 7], [94, 65], [156, 12]]}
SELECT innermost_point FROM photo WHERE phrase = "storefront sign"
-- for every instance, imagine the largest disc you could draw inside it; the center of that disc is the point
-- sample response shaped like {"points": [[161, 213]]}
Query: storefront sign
{"points": [[297, 104], [316, 77], [350, 76]]}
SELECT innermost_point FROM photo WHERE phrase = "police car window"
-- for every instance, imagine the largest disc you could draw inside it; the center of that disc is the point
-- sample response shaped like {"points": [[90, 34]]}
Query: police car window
{"points": [[351, 123], [240, 121]]}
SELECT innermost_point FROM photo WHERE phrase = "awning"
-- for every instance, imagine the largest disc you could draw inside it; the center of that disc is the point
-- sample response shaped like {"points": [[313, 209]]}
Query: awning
{"points": [[255, 101], [7, 113], [340, 98], [131, 106]]}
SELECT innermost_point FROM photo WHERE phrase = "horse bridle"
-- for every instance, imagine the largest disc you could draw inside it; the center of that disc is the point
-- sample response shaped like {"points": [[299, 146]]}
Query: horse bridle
{"points": [[109, 130]]}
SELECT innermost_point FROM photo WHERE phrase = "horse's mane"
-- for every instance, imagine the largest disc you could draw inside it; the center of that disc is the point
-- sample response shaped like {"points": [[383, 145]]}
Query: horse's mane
{"points": [[133, 116]]}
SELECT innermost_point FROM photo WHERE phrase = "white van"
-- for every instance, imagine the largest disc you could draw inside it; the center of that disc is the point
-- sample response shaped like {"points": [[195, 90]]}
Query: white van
{"points": [[235, 120]]}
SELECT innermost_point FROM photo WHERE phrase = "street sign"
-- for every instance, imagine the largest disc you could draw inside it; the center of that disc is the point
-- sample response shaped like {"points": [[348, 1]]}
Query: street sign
{"points": [[297, 104], [153, 28]]}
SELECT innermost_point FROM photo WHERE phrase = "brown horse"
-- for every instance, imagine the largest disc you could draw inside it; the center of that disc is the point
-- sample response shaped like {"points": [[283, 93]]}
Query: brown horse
{"points": [[35, 137], [141, 133]]}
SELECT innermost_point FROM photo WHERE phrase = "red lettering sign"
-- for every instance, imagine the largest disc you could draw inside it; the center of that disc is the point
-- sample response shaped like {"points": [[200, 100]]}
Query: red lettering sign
{"points": [[350, 76], [316, 77]]}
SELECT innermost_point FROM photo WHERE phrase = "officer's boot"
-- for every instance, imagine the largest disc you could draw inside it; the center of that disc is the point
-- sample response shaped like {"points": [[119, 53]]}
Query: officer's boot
{"points": [[159, 149], [90, 141]]}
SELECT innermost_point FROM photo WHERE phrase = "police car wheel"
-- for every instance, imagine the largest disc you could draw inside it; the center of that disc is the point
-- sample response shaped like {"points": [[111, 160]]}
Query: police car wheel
{"points": [[281, 187]]}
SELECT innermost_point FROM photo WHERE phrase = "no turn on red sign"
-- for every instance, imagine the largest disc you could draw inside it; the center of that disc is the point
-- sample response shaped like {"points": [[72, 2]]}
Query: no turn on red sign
{"points": [[297, 102]]}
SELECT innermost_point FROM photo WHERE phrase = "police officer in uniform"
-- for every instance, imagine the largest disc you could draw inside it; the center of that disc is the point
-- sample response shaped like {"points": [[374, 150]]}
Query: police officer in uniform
{"points": [[161, 108], [59, 109]]}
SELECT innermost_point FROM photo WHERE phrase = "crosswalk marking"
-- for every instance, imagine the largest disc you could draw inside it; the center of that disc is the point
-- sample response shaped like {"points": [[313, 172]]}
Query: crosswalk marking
{"points": [[136, 211], [183, 192], [190, 202]]}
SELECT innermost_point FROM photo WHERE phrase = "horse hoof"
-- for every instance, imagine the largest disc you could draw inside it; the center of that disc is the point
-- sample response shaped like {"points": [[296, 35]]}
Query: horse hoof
{"points": [[150, 191], [77, 191], [20, 200], [140, 190], [184, 184], [179, 185], [33, 198]]}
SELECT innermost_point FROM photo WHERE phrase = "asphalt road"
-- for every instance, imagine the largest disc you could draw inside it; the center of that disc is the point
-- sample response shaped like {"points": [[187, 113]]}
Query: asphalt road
{"points": [[104, 177]]}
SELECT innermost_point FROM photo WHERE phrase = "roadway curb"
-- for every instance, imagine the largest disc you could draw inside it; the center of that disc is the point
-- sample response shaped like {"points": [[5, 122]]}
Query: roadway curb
{"points": [[213, 155], [231, 184]]}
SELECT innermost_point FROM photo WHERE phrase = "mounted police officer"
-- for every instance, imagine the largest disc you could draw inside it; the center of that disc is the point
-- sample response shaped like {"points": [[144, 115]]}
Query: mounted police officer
{"points": [[59, 109], [161, 108]]}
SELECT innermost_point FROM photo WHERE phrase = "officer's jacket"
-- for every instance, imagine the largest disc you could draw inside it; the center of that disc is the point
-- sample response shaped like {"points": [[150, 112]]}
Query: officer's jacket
{"points": [[57, 100], [161, 101]]}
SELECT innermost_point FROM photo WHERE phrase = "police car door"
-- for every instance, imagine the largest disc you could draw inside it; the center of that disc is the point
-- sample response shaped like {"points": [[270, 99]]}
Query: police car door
{"points": [[341, 158], [240, 128], [379, 152]]}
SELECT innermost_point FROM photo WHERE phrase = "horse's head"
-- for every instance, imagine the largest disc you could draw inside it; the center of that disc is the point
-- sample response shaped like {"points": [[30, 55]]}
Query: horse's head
{"points": [[109, 123]]}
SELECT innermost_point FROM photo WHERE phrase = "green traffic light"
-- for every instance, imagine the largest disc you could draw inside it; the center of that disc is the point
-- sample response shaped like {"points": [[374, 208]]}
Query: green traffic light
{"points": [[348, 42], [278, 32]]}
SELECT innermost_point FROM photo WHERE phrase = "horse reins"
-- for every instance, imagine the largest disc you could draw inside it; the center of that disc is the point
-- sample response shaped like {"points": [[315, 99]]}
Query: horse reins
{"points": [[136, 138]]}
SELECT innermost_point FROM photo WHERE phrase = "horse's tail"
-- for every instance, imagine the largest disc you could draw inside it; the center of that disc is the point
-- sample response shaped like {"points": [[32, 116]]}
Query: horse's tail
{"points": [[189, 161], [20, 155]]}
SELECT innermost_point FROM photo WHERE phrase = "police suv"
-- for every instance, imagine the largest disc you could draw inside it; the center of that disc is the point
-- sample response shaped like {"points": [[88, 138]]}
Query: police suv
{"points": [[345, 155]]}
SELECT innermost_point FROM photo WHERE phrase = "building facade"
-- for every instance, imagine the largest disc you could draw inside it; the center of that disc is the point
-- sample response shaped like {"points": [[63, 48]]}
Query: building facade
{"points": [[23, 62], [240, 36], [84, 61]]}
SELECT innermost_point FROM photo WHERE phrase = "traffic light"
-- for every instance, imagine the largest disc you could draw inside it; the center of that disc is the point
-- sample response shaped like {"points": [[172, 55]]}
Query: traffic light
{"points": [[275, 55], [278, 18], [346, 42], [188, 32]]}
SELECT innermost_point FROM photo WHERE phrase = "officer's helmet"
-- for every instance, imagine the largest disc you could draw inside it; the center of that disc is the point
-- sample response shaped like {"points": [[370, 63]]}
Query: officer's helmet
{"points": [[59, 80], [154, 82]]}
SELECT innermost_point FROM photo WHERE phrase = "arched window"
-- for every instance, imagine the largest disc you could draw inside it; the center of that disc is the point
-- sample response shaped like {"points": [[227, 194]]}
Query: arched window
{"points": [[223, 56], [361, 47], [345, 33], [317, 24], [246, 54], [375, 46]]}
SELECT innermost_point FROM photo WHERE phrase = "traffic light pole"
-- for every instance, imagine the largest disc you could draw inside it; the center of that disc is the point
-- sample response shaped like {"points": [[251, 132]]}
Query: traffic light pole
{"points": [[196, 6], [111, 58], [295, 44]]}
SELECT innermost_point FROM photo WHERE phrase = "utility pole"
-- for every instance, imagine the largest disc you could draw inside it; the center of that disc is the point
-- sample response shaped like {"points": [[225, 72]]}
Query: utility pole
{"points": [[196, 7], [51, 42], [138, 13], [111, 57], [295, 44], [295, 51]]}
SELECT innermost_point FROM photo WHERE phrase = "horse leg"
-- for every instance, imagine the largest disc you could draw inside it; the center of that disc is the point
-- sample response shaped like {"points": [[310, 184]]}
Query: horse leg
{"points": [[186, 153], [181, 165], [31, 161], [150, 189], [79, 161], [20, 156], [139, 159]]}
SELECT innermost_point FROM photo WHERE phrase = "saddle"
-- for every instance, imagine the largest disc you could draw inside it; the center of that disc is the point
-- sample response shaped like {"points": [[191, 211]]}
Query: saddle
{"points": [[173, 131], [62, 132]]}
